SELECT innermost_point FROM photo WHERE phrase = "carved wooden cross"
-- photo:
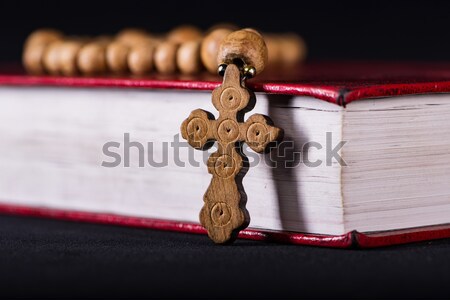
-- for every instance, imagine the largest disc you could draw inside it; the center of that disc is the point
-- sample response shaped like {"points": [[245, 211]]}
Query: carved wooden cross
{"points": [[224, 212]]}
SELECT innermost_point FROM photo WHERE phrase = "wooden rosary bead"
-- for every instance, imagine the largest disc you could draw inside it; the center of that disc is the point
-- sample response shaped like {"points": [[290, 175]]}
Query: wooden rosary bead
{"points": [[140, 58], [246, 45], [135, 50], [210, 48], [117, 57], [293, 49], [132, 36], [253, 30], [43, 36], [165, 57], [188, 58], [35, 47], [274, 49], [32, 58], [184, 33], [68, 53], [92, 58], [51, 58]]}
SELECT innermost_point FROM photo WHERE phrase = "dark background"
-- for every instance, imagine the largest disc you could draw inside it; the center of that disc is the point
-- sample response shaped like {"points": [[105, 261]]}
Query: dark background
{"points": [[365, 30], [50, 258], [47, 258]]}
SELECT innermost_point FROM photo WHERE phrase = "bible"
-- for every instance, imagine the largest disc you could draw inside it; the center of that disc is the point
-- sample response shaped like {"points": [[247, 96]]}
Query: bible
{"points": [[365, 160]]}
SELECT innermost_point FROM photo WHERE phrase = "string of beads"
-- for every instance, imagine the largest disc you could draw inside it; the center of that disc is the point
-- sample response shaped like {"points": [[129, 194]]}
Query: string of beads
{"points": [[185, 50]]}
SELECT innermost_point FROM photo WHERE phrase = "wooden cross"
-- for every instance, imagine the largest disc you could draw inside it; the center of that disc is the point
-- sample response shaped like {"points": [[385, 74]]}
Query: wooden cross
{"points": [[224, 212]]}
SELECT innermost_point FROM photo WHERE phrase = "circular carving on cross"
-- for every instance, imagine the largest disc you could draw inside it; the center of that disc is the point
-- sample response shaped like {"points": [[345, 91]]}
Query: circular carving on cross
{"points": [[224, 166], [228, 131], [230, 99], [220, 214], [197, 130], [257, 135]]}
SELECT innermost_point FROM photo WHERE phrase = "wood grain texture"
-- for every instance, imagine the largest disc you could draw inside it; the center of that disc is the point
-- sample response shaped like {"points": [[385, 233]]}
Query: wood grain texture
{"points": [[184, 33], [210, 48], [246, 45], [107, 54], [165, 57], [293, 49], [140, 58], [116, 57], [132, 36], [35, 47], [51, 55], [188, 58], [68, 56], [92, 58], [224, 213]]}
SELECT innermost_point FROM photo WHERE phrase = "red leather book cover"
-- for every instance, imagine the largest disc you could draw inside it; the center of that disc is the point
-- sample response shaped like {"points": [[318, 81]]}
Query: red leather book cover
{"points": [[352, 239], [339, 83]]}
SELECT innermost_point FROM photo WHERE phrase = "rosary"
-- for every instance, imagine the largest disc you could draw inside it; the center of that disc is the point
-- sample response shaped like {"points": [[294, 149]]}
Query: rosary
{"points": [[237, 55]]}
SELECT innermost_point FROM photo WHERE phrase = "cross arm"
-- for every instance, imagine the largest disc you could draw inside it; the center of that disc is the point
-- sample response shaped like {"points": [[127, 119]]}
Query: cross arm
{"points": [[197, 129], [258, 132]]}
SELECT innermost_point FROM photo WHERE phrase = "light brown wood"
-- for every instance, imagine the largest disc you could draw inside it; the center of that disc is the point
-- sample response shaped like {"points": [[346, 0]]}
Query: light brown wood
{"points": [[92, 58], [224, 214], [188, 58], [184, 33], [246, 45], [252, 30], [44, 36], [68, 53], [274, 49], [165, 57], [210, 48], [140, 58], [35, 47], [51, 57], [117, 57], [32, 58], [293, 49], [178, 51], [132, 36]]}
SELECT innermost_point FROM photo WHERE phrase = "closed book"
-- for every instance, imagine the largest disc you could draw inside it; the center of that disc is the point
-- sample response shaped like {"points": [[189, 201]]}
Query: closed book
{"points": [[365, 161]]}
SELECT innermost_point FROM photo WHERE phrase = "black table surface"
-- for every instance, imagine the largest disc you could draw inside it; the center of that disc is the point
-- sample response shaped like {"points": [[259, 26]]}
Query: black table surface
{"points": [[49, 258]]}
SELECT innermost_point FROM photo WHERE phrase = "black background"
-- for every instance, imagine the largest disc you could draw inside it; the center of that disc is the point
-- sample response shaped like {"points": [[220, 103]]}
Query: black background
{"points": [[364, 30], [49, 258]]}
